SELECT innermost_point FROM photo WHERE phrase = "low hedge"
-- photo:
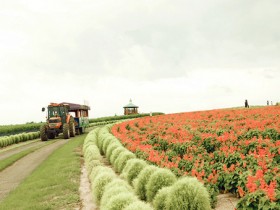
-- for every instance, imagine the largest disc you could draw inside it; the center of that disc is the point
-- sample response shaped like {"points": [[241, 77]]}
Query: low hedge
{"points": [[132, 169], [159, 201], [150, 183], [187, 193], [122, 159], [138, 205], [14, 139], [160, 178], [140, 183], [109, 191]]}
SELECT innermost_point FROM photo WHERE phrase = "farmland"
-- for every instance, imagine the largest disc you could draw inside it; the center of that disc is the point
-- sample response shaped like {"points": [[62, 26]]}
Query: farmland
{"points": [[229, 150], [175, 161]]}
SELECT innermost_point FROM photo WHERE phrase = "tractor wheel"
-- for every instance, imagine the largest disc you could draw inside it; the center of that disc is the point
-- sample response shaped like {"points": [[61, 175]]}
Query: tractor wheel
{"points": [[72, 127], [66, 131], [44, 133]]}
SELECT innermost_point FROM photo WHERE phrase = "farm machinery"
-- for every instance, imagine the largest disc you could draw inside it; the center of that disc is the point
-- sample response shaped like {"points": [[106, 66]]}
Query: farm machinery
{"points": [[60, 120]]}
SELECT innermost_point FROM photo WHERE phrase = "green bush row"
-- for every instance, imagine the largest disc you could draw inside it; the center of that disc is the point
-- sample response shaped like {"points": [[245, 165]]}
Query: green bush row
{"points": [[19, 128], [14, 139], [109, 191], [149, 182], [102, 123], [123, 117]]}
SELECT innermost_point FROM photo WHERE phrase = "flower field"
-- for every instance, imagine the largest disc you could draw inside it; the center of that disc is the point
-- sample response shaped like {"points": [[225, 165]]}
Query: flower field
{"points": [[229, 150]]}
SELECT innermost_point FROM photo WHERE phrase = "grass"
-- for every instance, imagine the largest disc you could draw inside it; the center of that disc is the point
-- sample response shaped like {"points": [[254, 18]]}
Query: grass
{"points": [[13, 146], [54, 184], [12, 159]]}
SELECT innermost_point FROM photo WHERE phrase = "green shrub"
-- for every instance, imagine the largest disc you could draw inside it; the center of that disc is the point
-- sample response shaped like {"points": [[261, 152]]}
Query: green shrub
{"points": [[115, 154], [122, 159], [17, 139], [92, 164], [160, 178], [114, 188], [90, 139], [106, 142], [138, 205], [111, 147], [99, 184], [160, 198], [120, 201], [132, 169], [21, 137], [98, 170], [188, 193]]}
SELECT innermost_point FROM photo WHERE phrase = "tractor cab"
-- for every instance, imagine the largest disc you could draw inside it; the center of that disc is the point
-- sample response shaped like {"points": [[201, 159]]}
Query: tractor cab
{"points": [[58, 111]]}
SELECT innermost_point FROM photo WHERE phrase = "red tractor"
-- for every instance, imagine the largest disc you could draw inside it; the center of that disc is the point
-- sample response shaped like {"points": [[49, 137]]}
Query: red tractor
{"points": [[59, 120]]}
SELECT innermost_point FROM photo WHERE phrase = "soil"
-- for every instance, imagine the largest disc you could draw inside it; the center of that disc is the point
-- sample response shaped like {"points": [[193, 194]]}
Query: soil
{"points": [[226, 202], [85, 192], [12, 176]]}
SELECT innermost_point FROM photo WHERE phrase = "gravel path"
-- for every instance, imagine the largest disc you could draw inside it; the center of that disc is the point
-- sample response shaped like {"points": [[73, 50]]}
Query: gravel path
{"points": [[12, 176]]}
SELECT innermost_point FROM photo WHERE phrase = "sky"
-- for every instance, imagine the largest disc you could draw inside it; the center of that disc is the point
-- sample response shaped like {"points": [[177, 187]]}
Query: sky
{"points": [[167, 56]]}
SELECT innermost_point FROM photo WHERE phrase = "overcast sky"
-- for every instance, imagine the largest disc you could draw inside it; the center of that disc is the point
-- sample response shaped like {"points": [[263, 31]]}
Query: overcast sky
{"points": [[168, 56]]}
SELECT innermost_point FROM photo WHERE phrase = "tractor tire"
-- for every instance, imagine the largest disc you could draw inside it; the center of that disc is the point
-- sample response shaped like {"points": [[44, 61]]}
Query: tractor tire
{"points": [[66, 131], [72, 127], [44, 133]]}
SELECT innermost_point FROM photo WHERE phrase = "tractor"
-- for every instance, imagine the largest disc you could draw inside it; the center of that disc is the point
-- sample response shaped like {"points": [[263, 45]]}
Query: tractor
{"points": [[59, 120]]}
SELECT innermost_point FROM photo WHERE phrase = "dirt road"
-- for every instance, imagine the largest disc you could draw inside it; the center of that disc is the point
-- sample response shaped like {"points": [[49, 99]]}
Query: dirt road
{"points": [[11, 177]]}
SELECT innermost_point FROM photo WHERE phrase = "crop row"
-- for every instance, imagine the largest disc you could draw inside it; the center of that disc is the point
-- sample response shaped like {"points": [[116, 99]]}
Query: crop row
{"points": [[122, 117], [158, 186], [19, 128], [14, 139], [231, 150]]}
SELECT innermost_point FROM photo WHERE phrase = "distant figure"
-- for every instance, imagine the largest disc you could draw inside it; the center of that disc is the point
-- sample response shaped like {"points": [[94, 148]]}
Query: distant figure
{"points": [[246, 104], [271, 103], [267, 103]]}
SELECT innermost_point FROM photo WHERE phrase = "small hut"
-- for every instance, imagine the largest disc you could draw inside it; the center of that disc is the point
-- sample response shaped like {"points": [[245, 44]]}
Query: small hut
{"points": [[130, 108]]}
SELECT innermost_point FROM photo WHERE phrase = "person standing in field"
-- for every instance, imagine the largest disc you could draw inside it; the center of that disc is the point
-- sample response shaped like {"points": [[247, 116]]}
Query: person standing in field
{"points": [[246, 104]]}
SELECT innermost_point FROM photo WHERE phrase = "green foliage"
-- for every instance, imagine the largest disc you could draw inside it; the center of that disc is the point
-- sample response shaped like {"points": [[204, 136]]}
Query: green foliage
{"points": [[141, 181], [100, 182], [120, 201], [138, 205], [92, 157], [115, 154], [111, 147], [19, 128], [13, 139], [114, 188], [122, 117], [122, 159], [159, 179], [160, 198], [132, 169], [188, 193], [257, 200], [105, 144]]}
